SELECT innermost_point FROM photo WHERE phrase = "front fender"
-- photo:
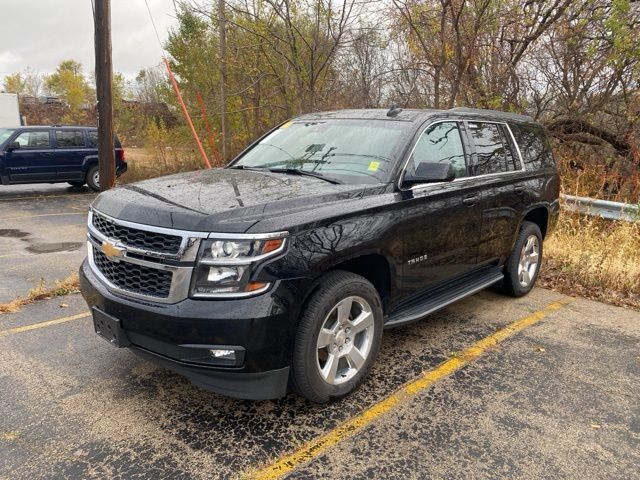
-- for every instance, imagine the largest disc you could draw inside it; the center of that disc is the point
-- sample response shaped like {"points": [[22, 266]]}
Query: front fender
{"points": [[313, 252]]}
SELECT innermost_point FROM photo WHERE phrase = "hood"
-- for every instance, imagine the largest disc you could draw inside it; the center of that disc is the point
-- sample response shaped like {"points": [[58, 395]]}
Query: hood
{"points": [[222, 200]]}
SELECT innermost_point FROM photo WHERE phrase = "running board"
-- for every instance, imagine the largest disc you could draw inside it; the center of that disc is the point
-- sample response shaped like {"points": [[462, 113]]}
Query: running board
{"points": [[443, 295]]}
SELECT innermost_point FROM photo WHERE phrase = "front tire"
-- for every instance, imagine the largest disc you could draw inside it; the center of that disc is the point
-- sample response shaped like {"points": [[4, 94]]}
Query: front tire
{"points": [[338, 337], [523, 265], [93, 178]]}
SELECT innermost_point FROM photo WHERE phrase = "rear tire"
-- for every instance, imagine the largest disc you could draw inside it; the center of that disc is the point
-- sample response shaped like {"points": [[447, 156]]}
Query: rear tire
{"points": [[338, 337], [93, 178], [523, 265]]}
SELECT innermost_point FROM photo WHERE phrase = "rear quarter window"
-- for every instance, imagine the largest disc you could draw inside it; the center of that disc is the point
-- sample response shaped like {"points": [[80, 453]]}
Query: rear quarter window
{"points": [[92, 135], [534, 146]]}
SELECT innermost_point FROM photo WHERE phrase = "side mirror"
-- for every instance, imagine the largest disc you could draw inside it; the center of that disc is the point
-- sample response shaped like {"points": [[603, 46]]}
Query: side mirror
{"points": [[427, 172], [13, 146]]}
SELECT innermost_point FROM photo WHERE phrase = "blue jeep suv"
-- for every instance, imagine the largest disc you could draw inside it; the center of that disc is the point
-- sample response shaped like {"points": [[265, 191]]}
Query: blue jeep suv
{"points": [[53, 154]]}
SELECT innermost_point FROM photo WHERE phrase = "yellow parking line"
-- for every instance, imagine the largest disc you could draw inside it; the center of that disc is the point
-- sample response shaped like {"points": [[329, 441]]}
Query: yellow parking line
{"points": [[44, 215], [48, 323], [319, 445]]}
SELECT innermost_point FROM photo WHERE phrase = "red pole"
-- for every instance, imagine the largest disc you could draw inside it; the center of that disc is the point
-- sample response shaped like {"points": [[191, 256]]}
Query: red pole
{"points": [[186, 113], [212, 142]]}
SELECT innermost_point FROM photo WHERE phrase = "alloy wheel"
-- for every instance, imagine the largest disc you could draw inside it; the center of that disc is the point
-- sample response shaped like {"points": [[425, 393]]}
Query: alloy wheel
{"points": [[345, 340], [529, 260]]}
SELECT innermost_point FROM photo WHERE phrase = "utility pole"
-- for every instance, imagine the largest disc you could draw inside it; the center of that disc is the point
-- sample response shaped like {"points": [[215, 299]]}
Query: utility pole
{"points": [[104, 89], [222, 25]]}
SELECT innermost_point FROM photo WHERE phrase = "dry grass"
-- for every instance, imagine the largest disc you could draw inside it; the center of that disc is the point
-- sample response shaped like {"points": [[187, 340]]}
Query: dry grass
{"points": [[69, 285], [149, 163], [594, 258]]}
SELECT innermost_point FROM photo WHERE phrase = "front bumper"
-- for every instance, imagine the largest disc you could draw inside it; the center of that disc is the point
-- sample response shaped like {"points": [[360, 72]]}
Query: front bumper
{"points": [[166, 334]]}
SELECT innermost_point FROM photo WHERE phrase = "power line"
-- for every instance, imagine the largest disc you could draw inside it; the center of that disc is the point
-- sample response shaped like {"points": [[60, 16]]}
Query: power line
{"points": [[93, 11], [153, 23]]}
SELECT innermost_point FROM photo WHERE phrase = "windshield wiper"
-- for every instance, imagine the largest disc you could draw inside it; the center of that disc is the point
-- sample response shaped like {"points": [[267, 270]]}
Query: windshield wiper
{"points": [[296, 171], [289, 171], [245, 167], [340, 154]]}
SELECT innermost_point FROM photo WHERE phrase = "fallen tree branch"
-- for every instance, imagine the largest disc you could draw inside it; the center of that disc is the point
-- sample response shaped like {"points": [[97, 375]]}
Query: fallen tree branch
{"points": [[585, 138], [576, 126]]}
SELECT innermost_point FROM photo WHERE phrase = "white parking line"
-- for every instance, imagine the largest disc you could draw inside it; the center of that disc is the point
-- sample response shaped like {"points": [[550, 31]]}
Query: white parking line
{"points": [[43, 215]]}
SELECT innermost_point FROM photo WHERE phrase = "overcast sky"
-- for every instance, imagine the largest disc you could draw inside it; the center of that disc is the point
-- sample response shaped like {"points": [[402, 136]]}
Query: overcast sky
{"points": [[41, 33]]}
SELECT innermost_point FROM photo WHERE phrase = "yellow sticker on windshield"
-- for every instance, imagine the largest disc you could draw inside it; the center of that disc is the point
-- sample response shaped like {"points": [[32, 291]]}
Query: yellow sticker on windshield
{"points": [[287, 125], [373, 166]]}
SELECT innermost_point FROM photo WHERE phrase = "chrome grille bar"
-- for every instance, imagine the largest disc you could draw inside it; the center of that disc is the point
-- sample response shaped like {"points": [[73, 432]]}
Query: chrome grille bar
{"points": [[179, 264]]}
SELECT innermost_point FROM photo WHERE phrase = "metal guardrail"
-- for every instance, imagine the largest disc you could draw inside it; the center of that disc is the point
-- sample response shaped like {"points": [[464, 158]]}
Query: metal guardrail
{"points": [[602, 208]]}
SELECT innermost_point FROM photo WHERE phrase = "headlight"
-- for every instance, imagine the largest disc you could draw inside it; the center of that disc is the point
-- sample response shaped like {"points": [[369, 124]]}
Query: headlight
{"points": [[227, 249], [225, 266]]}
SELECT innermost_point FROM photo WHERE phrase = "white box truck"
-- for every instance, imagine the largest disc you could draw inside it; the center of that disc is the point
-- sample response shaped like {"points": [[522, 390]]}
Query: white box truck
{"points": [[9, 110]]}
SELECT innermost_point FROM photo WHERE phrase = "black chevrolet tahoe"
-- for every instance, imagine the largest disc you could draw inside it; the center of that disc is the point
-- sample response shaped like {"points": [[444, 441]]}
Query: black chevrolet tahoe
{"points": [[281, 270]]}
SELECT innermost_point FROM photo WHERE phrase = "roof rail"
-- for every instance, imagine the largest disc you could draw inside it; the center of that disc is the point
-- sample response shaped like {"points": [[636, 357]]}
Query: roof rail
{"points": [[482, 111]]}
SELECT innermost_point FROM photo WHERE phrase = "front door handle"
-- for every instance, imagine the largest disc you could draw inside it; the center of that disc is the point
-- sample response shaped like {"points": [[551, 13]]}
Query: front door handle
{"points": [[519, 189], [470, 200]]}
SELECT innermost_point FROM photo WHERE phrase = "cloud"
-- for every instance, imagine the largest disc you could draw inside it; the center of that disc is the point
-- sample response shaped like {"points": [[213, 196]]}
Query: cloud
{"points": [[9, 57], [39, 34]]}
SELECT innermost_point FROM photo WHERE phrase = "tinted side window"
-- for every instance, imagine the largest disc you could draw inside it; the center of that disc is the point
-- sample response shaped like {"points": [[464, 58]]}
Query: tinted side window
{"points": [[534, 146], [33, 139], [490, 150], [70, 138], [93, 138], [441, 143]]}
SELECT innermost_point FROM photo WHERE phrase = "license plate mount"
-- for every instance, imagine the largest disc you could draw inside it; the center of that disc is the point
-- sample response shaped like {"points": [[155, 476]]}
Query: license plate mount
{"points": [[110, 329]]}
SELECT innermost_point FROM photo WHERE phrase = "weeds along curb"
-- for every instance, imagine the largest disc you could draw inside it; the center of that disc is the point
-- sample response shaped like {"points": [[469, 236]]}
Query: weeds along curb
{"points": [[67, 286]]}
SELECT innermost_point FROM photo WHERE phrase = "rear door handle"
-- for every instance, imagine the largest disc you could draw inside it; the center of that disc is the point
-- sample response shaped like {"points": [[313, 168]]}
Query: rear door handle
{"points": [[470, 200], [519, 189]]}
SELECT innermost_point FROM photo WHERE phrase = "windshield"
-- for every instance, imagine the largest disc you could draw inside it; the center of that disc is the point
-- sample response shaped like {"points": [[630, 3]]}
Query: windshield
{"points": [[350, 151], [5, 133]]}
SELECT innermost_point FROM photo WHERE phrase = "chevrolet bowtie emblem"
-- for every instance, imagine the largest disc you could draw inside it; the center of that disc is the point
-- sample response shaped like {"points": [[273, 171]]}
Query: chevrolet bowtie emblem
{"points": [[111, 250]]}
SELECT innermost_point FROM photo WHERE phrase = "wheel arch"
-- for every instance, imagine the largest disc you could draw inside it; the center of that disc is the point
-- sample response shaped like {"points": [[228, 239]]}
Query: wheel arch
{"points": [[374, 266], [88, 162], [540, 216]]}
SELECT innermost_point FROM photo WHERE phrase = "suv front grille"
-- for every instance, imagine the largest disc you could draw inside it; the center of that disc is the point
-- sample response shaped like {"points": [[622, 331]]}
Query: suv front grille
{"points": [[132, 237], [134, 278]]}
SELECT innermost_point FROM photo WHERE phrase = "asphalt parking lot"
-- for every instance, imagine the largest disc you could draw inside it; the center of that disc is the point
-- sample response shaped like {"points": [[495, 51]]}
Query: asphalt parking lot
{"points": [[557, 397], [42, 235]]}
